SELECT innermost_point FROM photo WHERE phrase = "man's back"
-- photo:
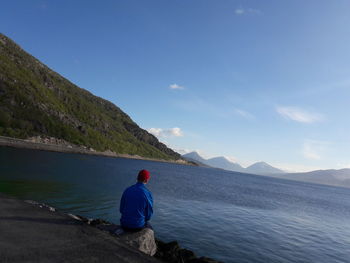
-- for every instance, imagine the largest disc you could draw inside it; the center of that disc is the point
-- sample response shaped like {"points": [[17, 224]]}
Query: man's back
{"points": [[136, 206]]}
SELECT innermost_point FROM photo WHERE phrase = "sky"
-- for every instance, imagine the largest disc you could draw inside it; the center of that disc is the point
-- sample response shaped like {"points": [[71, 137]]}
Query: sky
{"points": [[248, 80]]}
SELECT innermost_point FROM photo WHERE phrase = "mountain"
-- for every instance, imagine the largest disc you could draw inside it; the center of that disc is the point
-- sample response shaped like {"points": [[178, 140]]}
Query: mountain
{"points": [[223, 163], [195, 157], [217, 162], [262, 168], [329, 177], [36, 101]]}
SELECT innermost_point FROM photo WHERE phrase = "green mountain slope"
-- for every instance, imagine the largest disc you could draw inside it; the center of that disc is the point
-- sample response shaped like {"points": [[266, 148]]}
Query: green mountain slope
{"points": [[34, 100]]}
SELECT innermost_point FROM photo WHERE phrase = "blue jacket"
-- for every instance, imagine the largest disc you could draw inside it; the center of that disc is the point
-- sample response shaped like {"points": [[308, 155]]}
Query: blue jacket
{"points": [[136, 206]]}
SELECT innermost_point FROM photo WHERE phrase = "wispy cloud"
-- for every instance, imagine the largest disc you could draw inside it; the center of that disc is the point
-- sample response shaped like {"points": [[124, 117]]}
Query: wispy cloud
{"points": [[244, 114], [176, 87], [218, 109], [165, 133], [314, 150], [299, 115], [243, 11], [239, 11]]}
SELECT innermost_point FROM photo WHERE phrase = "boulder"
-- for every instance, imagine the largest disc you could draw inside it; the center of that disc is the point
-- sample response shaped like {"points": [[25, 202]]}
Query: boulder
{"points": [[142, 240], [145, 242]]}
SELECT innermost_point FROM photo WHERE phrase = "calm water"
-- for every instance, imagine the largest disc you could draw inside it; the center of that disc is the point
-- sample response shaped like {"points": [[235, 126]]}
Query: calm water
{"points": [[229, 216]]}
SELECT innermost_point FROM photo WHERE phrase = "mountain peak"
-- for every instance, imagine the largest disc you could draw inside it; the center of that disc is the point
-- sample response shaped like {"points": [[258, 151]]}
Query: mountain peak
{"points": [[194, 155], [263, 168], [223, 162]]}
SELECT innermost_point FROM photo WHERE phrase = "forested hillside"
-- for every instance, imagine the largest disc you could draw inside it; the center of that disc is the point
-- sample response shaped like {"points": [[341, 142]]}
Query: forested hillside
{"points": [[34, 100]]}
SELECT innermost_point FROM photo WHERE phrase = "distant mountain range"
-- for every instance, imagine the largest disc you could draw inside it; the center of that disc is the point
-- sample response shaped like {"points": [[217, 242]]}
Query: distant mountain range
{"points": [[196, 158], [221, 162], [332, 177]]}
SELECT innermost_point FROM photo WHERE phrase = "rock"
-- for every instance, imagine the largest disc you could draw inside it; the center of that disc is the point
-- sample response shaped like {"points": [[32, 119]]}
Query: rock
{"points": [[96, 222], [172, 253], [142, 240], [186, 255], [169, 252], [145, 242], [203, 260]]}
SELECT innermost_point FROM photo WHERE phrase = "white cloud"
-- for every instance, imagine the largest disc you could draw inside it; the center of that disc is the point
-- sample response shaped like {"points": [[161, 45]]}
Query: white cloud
{"points": [[314, 150], [244, 114], [299, 115], [243, 11], [176, 87], [239, 11], [164, 133]]}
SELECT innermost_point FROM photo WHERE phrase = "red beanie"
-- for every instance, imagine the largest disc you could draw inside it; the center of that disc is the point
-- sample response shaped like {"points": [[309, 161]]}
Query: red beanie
{"points": [[144, 175]]}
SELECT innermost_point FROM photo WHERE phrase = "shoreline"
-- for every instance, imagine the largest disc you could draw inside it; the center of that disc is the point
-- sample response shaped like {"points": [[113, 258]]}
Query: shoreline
{"points": [[33, 232], [71, 148], [36, 232]]}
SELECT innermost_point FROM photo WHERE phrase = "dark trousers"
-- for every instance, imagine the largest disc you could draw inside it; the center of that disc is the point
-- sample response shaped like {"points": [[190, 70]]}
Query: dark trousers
{"points": [[127, 229]]}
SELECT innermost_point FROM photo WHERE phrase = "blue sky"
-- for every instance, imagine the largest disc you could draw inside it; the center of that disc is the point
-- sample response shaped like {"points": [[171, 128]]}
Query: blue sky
{"points": [[250, 80]]}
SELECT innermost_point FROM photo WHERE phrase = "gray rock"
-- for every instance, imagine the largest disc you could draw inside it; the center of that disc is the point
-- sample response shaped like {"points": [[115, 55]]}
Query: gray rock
{"points": [[142, 240]]}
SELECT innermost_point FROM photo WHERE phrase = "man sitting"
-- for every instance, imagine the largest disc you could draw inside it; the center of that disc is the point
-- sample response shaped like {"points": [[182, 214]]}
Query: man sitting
{"points": [[136, 204]]}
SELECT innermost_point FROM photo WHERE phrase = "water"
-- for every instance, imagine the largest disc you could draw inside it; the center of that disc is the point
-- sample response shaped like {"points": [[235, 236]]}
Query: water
{"points": [[229, 216]]}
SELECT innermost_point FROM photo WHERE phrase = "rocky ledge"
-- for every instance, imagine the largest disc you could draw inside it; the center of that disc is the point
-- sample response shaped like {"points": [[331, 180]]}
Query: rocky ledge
{"points": [[146, 242], [34, 232]]}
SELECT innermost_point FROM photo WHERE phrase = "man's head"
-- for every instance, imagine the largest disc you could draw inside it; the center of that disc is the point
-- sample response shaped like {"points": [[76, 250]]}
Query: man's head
{"points": [[143, 176]]}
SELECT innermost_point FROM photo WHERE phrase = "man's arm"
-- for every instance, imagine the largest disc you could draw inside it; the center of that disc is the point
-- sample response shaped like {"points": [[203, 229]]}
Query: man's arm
{"points": [[149, 207], [122, 203]]}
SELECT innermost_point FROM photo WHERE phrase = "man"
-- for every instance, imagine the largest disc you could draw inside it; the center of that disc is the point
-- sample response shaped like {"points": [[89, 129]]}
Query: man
{"points": [[136, 205]]}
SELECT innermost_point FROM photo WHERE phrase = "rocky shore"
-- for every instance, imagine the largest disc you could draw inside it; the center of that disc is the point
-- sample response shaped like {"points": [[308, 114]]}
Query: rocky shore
{"points": [[166, 252], [58, 145], [34, 232]]}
